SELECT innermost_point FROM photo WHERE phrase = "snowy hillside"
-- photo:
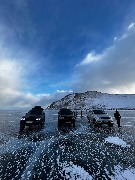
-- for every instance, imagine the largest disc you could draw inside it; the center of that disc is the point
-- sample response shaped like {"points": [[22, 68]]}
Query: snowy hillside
{"points": [[94, 99]]}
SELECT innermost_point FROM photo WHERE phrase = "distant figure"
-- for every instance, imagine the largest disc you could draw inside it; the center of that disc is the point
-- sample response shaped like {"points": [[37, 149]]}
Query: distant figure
{"points": [[81, 114], [117, 117]]}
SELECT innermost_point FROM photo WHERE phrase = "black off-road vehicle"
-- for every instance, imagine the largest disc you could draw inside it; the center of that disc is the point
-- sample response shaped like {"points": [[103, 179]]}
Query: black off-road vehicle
{"points": [[34, 118], [65, 117]]}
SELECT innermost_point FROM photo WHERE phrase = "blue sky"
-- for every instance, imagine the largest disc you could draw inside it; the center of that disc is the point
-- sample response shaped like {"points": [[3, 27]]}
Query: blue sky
{"points": [[52, 48]]}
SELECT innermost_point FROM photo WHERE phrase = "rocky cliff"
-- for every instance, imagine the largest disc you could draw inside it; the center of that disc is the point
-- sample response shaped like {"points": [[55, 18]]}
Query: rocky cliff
{"points": [[94, 99]]}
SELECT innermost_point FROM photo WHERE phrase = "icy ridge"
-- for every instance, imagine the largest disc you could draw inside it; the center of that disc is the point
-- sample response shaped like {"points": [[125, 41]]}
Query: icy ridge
{"points": [[94, 99]]}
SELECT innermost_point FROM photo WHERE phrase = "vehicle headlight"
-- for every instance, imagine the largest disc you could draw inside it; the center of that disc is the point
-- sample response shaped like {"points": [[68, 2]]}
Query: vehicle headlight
{"points": [[61, 117], [23, 119], [73, 117], [38, 119]]}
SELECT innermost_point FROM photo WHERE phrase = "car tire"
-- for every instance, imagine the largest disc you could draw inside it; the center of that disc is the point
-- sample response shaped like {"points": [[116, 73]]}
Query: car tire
{"points": [[74, 124], [88, 119], [110, 125], [40, 125], [22, 126], [59, 124], [94, 121]]}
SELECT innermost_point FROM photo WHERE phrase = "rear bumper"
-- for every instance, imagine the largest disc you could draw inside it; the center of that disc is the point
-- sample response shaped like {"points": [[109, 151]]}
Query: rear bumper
{"points": [[104, 122], [66, 121], [31, 123]]}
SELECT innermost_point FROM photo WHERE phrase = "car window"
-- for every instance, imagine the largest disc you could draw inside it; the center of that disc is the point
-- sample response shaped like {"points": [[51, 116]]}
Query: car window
{"points": [[99, 112], [65, 111]]}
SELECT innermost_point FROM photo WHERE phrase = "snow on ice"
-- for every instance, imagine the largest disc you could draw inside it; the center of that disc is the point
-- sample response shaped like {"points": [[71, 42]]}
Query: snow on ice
{"points": [[117, 141], [127, 174], [72, 171]]}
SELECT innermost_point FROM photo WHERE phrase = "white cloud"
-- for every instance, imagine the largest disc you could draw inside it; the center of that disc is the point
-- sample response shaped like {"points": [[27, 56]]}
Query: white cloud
{"points": [[64, 91], [130, 30], [111, 71], [30, 100], [91, 57], [131, 26], [9, 73], [115, 38], [13, 85], [14, 98], [17, 66], [10, 79]]}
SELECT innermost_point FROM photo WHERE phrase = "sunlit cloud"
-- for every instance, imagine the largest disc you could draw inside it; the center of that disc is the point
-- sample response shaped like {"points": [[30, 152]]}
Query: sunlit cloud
{"points": [[115, 38], [91, 57], [28, 100], [113, 71], [10, 78], [13, 95], [64, 91], [130, 30], [131, 26]]}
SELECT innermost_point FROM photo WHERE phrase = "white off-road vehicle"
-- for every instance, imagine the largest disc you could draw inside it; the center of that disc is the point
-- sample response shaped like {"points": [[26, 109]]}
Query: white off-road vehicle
{"points": [[99, 117]]}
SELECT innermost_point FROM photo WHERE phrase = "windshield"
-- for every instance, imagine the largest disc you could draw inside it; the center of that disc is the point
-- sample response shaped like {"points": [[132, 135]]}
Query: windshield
{"points": [[105, 117], [99, 112], [65, 112], [35, 112]]}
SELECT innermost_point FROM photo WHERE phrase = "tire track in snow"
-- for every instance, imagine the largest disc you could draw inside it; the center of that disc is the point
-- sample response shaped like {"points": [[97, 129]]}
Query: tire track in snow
{"points": [[33, 160], [27, 173]]}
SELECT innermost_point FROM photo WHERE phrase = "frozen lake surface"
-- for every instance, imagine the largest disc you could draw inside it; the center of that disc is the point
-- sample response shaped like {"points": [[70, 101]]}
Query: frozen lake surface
{"points": [[80, 153]]}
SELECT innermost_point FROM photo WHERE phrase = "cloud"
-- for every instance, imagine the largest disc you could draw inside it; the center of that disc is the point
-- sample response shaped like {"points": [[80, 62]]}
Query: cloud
{"points": [[131, 26], [16, 100], [14, 87], [64, 91], [91, 57], [16, 90], [112, 70], [19, 63]]}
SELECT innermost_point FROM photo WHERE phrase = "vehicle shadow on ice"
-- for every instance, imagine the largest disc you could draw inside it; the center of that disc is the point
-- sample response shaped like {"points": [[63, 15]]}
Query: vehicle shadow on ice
{"points": [[33, 134], [40, 134], [66, 129], [102, 129]]}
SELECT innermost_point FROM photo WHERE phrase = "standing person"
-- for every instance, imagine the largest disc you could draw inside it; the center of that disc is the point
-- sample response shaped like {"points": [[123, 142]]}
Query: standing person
{"points": [[81, 113], [117, 117]]}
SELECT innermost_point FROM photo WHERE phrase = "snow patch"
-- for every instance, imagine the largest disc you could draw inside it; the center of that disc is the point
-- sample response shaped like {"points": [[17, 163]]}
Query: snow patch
{"points": [[72, 171], [128, 125], [127, 174], [117, 141]]}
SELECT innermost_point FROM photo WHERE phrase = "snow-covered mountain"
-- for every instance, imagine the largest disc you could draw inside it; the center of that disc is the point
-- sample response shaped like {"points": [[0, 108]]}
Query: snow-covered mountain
{"points": [[94, 99]]}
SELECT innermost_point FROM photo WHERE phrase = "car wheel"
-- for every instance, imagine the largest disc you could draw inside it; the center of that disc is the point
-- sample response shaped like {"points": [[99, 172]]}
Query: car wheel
{"points": [[88, 119], [94, 121], [74, 124], [110, 124], [40, 125], [59, 124], [22, 125]]}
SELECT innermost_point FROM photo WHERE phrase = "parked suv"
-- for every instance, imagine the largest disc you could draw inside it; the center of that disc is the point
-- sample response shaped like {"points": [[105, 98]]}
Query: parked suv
{"points": [[35, 117], [99, 117], [66, 116]]}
